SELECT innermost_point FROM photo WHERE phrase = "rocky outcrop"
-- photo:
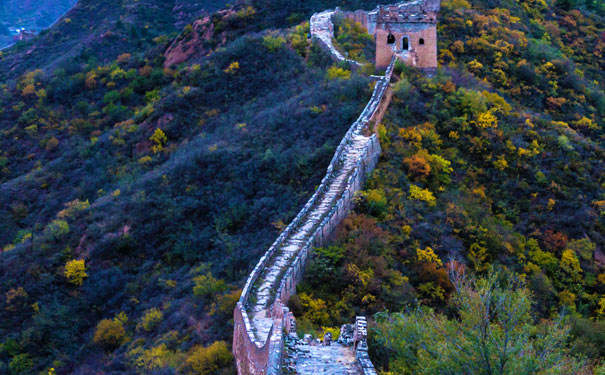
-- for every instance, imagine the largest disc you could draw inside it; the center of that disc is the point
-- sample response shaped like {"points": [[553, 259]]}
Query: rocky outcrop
{"points": [[193, 41]]}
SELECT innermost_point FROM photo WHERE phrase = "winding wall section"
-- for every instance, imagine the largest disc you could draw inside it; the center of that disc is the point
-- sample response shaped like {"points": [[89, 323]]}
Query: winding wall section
{"points": [[261, 315]]}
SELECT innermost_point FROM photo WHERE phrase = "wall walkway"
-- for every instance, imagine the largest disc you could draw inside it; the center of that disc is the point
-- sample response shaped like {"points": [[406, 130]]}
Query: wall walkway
{"points": [[261, 315]]}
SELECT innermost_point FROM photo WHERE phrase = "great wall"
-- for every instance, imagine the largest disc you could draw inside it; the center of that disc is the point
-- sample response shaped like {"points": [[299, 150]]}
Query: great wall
{"points": [[264, 337]]}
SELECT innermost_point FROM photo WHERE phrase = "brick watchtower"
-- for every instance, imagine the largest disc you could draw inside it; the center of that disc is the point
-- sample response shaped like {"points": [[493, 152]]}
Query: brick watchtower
{"points": [[406, 29]]}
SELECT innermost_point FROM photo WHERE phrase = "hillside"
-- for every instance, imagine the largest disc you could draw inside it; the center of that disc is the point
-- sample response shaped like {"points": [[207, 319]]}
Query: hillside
{"points": [[149, 157], [160, 179]]}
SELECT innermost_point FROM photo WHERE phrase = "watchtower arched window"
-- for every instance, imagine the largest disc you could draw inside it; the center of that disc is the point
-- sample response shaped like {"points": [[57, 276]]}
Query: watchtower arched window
{"points": [[405, 43], [390, 39], [421, 41]]}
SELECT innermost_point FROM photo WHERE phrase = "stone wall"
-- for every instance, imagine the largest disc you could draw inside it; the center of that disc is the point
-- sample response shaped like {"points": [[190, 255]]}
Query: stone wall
{"points": [[254, 354]]}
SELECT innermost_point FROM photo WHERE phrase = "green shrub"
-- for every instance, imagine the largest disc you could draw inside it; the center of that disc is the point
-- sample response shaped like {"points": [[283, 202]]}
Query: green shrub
{"points": [[57, 229], [20, 364], [273, 43], [335, 72], [151, 319], [206, 286]]}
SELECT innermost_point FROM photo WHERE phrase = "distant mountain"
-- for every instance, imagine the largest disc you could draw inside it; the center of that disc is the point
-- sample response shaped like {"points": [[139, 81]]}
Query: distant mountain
{"points": [[30, 15]]}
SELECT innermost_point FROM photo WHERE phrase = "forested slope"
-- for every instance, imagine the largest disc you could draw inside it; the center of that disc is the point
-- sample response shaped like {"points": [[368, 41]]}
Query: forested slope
{"points": [[492, 169]]}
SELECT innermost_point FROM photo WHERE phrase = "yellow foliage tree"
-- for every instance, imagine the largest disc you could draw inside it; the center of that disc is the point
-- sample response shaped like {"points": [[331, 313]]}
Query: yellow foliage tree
{"points": [[477, 254], [155, 358], [71, 208], [209, 360], [335, 72], [487, 120], [91, 82], [567, 298], [420, 194], [28, 90], [475, 66], [500, 163], [428, 255], [316, 309], [273, 43], [75, 272], [601, 310], [570, 264], [151, 319], [159, 139], [232, 68], [110, 333]]}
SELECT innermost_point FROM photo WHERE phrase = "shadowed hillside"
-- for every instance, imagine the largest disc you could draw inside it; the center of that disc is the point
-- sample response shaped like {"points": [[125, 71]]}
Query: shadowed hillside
{"points": [[135, 198]]}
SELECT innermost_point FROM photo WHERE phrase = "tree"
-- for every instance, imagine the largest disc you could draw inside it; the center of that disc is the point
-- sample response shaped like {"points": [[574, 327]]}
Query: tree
{"points": [[417, 165], [571, 265], [209, 360], [151, 319], [335, 72], [273, 43], [159, 139], [110, 333], [207, 287], [20, 364], [428, 255], [75, 272], [315, 309], [52, 144], [420, 194], [493, 334], [477, 254], [57, 229]]}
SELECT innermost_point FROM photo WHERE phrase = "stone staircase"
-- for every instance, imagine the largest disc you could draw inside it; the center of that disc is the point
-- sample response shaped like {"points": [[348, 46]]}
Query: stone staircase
{"points": [[304, 358], [346, 356], [270, 277]]}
